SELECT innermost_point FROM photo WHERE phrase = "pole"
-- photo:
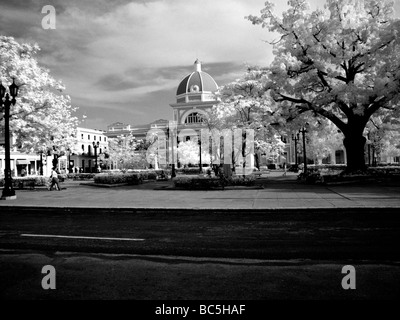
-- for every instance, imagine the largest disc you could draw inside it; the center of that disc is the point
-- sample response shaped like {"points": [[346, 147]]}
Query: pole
{"points": [[170, 134], [303, 131], [295, 138], [95, 156], [201, 169], [41, 163], [8, 190]]}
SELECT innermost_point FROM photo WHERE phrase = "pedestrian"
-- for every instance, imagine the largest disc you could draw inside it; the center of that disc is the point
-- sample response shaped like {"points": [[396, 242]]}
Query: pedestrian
{"points": [[284, 169], [54, 180]]}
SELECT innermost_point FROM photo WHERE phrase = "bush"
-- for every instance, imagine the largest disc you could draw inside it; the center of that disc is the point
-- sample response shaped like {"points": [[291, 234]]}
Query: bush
{"points": [[150, 174], [197, 182], [27, 181], [329, 173], [117, 178], [188, 170], [81, 176], [241, 181], [215, 182]]}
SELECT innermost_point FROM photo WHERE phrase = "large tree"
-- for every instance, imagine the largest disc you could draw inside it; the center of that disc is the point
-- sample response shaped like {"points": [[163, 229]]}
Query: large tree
{"points": [[341, 63], [42, 119]]}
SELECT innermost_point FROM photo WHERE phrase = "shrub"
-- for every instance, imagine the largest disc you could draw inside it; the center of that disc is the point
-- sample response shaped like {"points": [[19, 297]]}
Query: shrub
{"points": [[330, 174], [117, 178], [208, 182], [197, 182], [149, 174], [81, 176], [188, 170], [241, 181], [27, 181]]}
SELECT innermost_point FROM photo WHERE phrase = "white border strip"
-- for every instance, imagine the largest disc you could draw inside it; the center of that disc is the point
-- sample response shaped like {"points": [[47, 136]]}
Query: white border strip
{"points": [[78, 237]]}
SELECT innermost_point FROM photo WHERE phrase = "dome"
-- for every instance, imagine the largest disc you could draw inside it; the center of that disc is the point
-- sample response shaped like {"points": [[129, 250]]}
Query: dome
{"points": [[197, 81]]}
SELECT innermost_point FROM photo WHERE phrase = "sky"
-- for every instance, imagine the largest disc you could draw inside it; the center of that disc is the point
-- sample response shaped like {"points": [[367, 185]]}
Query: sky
{"points": [[122, 60]]}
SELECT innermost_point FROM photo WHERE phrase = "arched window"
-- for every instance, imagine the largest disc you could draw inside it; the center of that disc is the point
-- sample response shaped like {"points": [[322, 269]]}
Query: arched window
{"points": [[194, 117]]}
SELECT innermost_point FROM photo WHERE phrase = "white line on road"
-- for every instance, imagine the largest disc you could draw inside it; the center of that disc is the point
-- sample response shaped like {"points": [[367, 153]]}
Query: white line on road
{"points": [[78, 237]]}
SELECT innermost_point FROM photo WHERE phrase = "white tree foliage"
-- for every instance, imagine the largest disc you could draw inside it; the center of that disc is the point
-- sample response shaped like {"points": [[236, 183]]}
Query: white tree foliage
{"points": [[42, 116], [341, 63]]}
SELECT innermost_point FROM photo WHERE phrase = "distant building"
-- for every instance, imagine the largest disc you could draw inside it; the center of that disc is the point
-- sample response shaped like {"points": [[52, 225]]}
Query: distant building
{"points": [[138, 131], [85, 159]]}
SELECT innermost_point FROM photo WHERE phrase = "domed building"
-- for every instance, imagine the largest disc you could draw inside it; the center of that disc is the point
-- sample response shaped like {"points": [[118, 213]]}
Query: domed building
{"points": [[194, 98]]}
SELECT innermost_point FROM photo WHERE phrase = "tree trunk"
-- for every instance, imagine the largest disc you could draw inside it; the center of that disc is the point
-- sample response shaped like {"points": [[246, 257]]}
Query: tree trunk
{"points": [[354, 145]]}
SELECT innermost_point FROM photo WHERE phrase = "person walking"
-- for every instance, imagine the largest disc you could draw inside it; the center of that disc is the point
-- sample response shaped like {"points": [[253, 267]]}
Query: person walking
{"points": [[54, 180]]}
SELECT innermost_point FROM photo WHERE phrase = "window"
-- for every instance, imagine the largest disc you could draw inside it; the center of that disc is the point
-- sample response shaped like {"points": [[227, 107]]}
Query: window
{"points": [[83, 148], [94, 138], [82, 136], [194, 117], [100, 138], [105, 139], [88, 137]]}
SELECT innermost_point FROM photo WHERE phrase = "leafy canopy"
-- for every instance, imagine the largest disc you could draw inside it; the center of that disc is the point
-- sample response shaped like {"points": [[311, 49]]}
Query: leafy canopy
{"points": [[341, 63], [43, 115]]}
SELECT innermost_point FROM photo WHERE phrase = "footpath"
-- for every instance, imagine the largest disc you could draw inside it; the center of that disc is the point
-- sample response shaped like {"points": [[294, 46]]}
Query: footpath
{"points": [[278, 192]]}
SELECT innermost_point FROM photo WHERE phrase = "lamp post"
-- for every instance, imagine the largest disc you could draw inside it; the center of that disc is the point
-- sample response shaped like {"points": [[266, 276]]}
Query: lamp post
{"points": [[8, 191], [171, 142], [199, 142], [95, 146], [304, 131], [295, 138], [41, 163]]}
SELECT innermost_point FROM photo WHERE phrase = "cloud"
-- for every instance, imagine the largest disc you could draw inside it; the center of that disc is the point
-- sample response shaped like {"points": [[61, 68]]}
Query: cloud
{"points": [[125, 58]]}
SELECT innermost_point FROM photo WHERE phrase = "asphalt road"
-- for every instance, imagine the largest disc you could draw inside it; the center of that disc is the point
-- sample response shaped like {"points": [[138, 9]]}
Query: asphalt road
{"points": [[198, 254], [258, 234]]}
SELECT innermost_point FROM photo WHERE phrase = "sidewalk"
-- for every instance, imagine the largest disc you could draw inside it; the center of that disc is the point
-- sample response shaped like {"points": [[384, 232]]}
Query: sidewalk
{"points": [[279, 193]]}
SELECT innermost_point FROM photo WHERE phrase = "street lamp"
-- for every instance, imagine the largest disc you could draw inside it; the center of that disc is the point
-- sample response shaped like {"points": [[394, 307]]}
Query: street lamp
{"points": [[95, 146], [304, 131], [295, 138], [8, 191], [199, 142], [173, 174]]}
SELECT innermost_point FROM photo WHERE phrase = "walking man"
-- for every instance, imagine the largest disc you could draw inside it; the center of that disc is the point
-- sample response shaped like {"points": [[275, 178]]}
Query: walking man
{"points": [[54, 180]]}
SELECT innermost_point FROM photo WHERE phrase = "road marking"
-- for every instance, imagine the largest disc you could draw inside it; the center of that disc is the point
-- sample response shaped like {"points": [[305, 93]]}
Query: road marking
{"points": [[78, 237]]}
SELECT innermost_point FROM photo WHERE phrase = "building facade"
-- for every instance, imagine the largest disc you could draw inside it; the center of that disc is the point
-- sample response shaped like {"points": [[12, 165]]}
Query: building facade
{"points": [[91, 143]]}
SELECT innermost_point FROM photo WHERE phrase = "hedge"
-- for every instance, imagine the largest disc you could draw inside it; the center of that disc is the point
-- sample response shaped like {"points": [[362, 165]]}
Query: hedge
{"points": [[28, 181], [81, 176], [188, 170], [321, 176], [197, 182], [117, 178], [215, 182]]}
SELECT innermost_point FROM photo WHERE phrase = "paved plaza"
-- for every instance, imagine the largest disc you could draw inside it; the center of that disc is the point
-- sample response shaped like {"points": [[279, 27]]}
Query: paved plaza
{"points": [[278, 192]]}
